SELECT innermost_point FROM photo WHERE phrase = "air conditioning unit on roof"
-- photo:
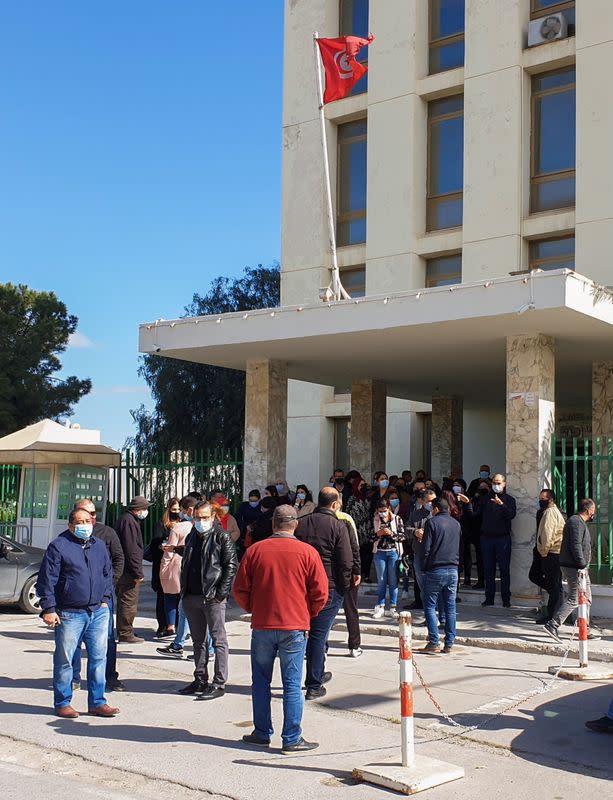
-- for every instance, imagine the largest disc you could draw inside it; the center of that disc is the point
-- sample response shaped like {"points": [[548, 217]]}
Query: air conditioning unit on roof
{"points": [[547, 29]]}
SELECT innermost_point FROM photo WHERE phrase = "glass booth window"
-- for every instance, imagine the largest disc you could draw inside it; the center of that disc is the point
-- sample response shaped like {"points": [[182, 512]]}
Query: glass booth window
{"points": [[446, 35], [78, 482], [445, 163], [39, 509], [553, 148], [353, 16], [351, 192]]}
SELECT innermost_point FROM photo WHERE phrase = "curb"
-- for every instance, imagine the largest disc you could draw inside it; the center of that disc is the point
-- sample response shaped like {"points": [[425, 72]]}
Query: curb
{"points": [[514, 645]]}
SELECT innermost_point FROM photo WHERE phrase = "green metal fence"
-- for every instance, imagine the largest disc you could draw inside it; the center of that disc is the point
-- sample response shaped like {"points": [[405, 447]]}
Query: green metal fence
{"points": [[584, 468], [10, 475], [173, 475]]}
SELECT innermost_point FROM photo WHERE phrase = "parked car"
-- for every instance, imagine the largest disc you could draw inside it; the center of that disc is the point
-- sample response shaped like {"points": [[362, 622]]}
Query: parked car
{"points": [[19, 565]]}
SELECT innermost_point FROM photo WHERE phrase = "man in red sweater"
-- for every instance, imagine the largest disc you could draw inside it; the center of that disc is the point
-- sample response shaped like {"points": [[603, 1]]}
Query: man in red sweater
{"points": [[283, 583]]}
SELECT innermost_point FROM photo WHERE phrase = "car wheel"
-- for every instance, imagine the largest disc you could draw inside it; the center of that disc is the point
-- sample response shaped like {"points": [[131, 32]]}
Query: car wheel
{"points": [[29, 601]]}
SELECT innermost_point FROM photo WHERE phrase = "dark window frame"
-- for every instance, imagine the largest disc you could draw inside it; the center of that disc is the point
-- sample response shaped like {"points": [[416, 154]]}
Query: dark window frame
{"points": [[434, 282], [433, 200], [547, 177], [538, 13], [354, 269], [437, 42], [347, 216], [542, 262], [344, 29]]}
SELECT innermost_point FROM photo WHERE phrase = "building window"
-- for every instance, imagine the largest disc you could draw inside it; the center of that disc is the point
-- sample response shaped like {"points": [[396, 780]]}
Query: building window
{"points": [[351, 191], [353, 16], [540, 8], [446, 35], [445, 163], [553, 253], [444, 271], [342, 443], [354, 280], [553, 141]]}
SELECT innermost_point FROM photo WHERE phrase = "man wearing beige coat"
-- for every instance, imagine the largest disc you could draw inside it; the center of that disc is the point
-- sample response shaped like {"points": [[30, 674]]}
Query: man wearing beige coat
{"points": [[548, 543]]}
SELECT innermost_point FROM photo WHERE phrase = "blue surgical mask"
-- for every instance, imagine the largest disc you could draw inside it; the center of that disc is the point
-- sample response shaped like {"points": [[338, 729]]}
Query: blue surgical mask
{"points": [[484, 474], [428, 506], [83, 531], [185, 517], [254, 503], [203, 526], [280, 487], [394, 502], [384, 483], [300, 496], [457, 490]]}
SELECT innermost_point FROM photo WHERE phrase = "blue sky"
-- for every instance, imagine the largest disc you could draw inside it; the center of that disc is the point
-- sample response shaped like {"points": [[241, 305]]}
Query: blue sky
{"points": [[140, 148]]}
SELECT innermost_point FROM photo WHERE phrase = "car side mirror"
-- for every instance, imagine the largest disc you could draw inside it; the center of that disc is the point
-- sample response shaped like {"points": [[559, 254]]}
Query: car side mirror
{"points": [[5, 549]]}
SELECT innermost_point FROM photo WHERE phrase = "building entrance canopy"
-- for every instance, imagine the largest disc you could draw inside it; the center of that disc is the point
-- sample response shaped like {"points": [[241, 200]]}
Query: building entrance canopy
{"points": [[446, 340]]}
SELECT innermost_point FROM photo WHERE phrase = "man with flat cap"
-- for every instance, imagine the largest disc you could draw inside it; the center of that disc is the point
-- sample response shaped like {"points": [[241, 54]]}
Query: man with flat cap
{"points": [[128, 587], [283, 583]]}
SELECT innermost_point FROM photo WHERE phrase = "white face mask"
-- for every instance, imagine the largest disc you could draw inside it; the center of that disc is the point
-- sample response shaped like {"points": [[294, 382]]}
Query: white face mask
{"points": [[225, 509], [457, 490], [203, 525], [498, 488], [142, 514]]}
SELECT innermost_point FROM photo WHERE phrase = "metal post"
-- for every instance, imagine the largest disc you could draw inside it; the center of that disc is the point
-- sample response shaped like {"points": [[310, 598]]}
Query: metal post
{"points": [[406, 691], [583, 617], [337, 287]]}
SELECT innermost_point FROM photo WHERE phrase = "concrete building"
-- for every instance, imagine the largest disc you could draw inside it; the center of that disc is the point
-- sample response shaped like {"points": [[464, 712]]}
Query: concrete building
{"points": [[474, 220]]}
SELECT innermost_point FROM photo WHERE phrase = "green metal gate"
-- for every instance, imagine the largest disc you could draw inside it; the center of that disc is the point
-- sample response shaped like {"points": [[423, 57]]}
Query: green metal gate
{"points": [[173, 475], [584, 468]]}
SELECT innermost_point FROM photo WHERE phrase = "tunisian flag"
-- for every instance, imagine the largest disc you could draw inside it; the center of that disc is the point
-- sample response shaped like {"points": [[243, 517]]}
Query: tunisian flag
{"points": [[340, 65]]}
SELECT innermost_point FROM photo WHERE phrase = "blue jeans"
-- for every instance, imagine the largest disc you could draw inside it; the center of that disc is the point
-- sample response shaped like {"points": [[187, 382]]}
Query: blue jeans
{"points": [[387, 576], [182, 629], [92, 628], [111, 654], [316, 644], [171, 604], [441, 582], [290, 646], [420, 577], [496, 550]]}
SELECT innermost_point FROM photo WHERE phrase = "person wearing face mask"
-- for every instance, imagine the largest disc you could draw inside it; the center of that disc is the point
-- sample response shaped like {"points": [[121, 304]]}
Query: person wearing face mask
{"points": [[456, 510], [128, 588], [330, 537], [388, 534], [496, 509], [381, 485], [262, 526], [283, 493], [154, 553], [271, 491], [358, 508], [484, 475], [337, 480], [471, 517], [545, 570], [247, 513], [75, 586], [227, 521], [420, 512], [575, 558], [304, 501], [207, 570], [170, 567]]}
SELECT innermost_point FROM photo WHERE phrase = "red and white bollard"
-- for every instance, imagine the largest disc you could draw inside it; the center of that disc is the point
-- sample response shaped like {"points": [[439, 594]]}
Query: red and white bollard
{"points": [[583, 616], [406, 690]]}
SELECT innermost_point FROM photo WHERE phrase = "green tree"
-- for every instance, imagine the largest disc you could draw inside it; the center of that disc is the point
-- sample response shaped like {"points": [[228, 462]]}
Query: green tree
{"points": [[34, 329], [197, 405]]}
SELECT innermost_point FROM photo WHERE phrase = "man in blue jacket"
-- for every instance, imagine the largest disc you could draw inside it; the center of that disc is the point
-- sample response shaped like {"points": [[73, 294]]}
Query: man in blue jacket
{"points": [[441, 559], [75, 587]]}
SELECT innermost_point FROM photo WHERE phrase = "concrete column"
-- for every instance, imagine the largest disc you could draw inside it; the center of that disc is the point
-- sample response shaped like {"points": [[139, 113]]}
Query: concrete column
{"points": [[447, 437], [529, 428], [368, 421], [265, 423]]}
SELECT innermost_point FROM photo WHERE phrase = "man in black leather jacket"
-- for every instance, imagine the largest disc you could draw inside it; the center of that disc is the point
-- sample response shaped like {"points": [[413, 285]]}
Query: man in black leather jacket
{"points": [[207, 571]]}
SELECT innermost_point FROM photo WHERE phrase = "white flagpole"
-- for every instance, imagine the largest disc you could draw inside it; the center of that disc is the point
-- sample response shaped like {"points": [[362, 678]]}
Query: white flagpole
{"points": [[337, 288]]}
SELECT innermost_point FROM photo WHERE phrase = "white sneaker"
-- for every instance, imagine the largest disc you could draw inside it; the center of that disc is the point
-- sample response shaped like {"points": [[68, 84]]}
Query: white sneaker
{"points": [[378, 612], [393, 613], [356, 653]]}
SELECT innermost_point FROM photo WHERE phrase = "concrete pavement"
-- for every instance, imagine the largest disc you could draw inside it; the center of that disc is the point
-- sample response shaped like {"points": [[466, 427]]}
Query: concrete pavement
{"points": [[196, 745]]}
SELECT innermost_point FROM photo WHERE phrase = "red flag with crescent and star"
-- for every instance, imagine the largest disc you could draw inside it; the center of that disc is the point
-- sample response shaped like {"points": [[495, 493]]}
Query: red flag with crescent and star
{"points": [[342, 69]]}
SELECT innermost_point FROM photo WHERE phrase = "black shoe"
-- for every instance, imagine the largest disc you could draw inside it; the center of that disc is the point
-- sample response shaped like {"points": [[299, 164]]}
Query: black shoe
{"points": [[413, 605], [301, 746], [315, 694], [487, 603], [602, 725], [195, 687], [211, 692], [552, 631], [423, 624], [327, 677], [173, 652], [507, 604], [115, 686], [542, 620], [447, 649], [251, 738]]}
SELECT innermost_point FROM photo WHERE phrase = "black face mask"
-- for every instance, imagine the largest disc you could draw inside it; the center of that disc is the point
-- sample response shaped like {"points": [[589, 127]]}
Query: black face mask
{"points": [[484, 491], [174, 516], [543, 504]]}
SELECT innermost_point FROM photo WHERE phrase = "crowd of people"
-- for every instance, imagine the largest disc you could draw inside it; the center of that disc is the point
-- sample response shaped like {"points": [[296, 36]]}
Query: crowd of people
{"points": [[292, 563]]}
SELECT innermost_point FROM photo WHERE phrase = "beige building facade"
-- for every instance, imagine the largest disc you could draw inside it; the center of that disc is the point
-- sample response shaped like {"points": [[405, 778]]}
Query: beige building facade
{"points": [[471, 186]]}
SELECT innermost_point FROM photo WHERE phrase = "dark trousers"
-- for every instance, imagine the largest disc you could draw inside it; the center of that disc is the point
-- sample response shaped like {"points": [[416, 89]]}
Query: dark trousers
{"points": [[352, 617], [497, 551], [318, 636], [366, 559], [416, 589], [160, 610], [128, 590], [469, 539], [552, 581], [207, 616]]}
